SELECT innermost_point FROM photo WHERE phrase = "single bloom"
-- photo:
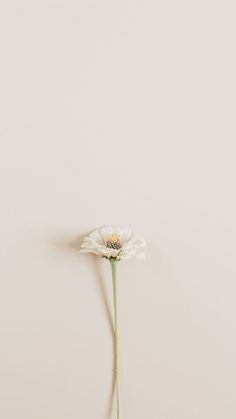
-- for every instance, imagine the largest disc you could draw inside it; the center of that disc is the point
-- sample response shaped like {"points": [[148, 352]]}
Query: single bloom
{"points": [[114, 242]]}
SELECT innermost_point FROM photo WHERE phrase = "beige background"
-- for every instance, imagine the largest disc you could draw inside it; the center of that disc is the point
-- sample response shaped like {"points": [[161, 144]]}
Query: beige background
{"points": [[118, 112]]}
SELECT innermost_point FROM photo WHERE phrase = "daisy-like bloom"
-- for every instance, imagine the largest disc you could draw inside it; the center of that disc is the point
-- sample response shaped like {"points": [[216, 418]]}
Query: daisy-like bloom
{"points": [[114, 243]]}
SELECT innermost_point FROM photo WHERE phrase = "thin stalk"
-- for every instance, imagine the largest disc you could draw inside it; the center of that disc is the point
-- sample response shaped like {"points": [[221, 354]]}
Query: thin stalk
{"points": [[116, 372]]}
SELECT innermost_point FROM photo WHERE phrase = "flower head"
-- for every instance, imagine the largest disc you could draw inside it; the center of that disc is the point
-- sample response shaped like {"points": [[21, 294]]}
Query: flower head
{"points": [[113, 242]]}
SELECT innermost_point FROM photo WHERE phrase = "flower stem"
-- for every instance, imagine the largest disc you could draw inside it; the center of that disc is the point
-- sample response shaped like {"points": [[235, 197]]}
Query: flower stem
{"points": [[116, 372]]}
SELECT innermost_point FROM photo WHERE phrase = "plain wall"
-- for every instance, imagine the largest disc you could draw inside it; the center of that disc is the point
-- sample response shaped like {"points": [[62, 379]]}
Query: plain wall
{"points": [[117, 113]]}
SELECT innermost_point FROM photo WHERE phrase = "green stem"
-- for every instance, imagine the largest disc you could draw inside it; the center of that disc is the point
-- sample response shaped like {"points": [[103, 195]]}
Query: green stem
{"points": [[114, 284]]}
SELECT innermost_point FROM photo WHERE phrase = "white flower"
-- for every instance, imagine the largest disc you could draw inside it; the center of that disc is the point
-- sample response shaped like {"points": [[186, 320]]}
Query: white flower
{"points": [[114, 243]]}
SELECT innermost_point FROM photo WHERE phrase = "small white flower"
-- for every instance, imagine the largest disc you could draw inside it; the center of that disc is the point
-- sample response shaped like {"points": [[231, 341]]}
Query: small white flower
{"points": [[114, 242]]}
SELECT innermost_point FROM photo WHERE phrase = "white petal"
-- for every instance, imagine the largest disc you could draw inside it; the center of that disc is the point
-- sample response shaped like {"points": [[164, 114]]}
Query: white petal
{"points": [[137, 242], [106, 231], [115, 252], [105, 251], [97, 236], [128, 251], [112, 229], [88, 242], [90, 251], [125, 234]]}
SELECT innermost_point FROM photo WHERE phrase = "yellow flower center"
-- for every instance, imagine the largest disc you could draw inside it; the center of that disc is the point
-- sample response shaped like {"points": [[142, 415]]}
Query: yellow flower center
{"points": [[113, 241]]}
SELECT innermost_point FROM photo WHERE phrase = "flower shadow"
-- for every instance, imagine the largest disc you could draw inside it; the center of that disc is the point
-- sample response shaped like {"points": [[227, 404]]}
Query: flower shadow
{"points": [[73, 244]]}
